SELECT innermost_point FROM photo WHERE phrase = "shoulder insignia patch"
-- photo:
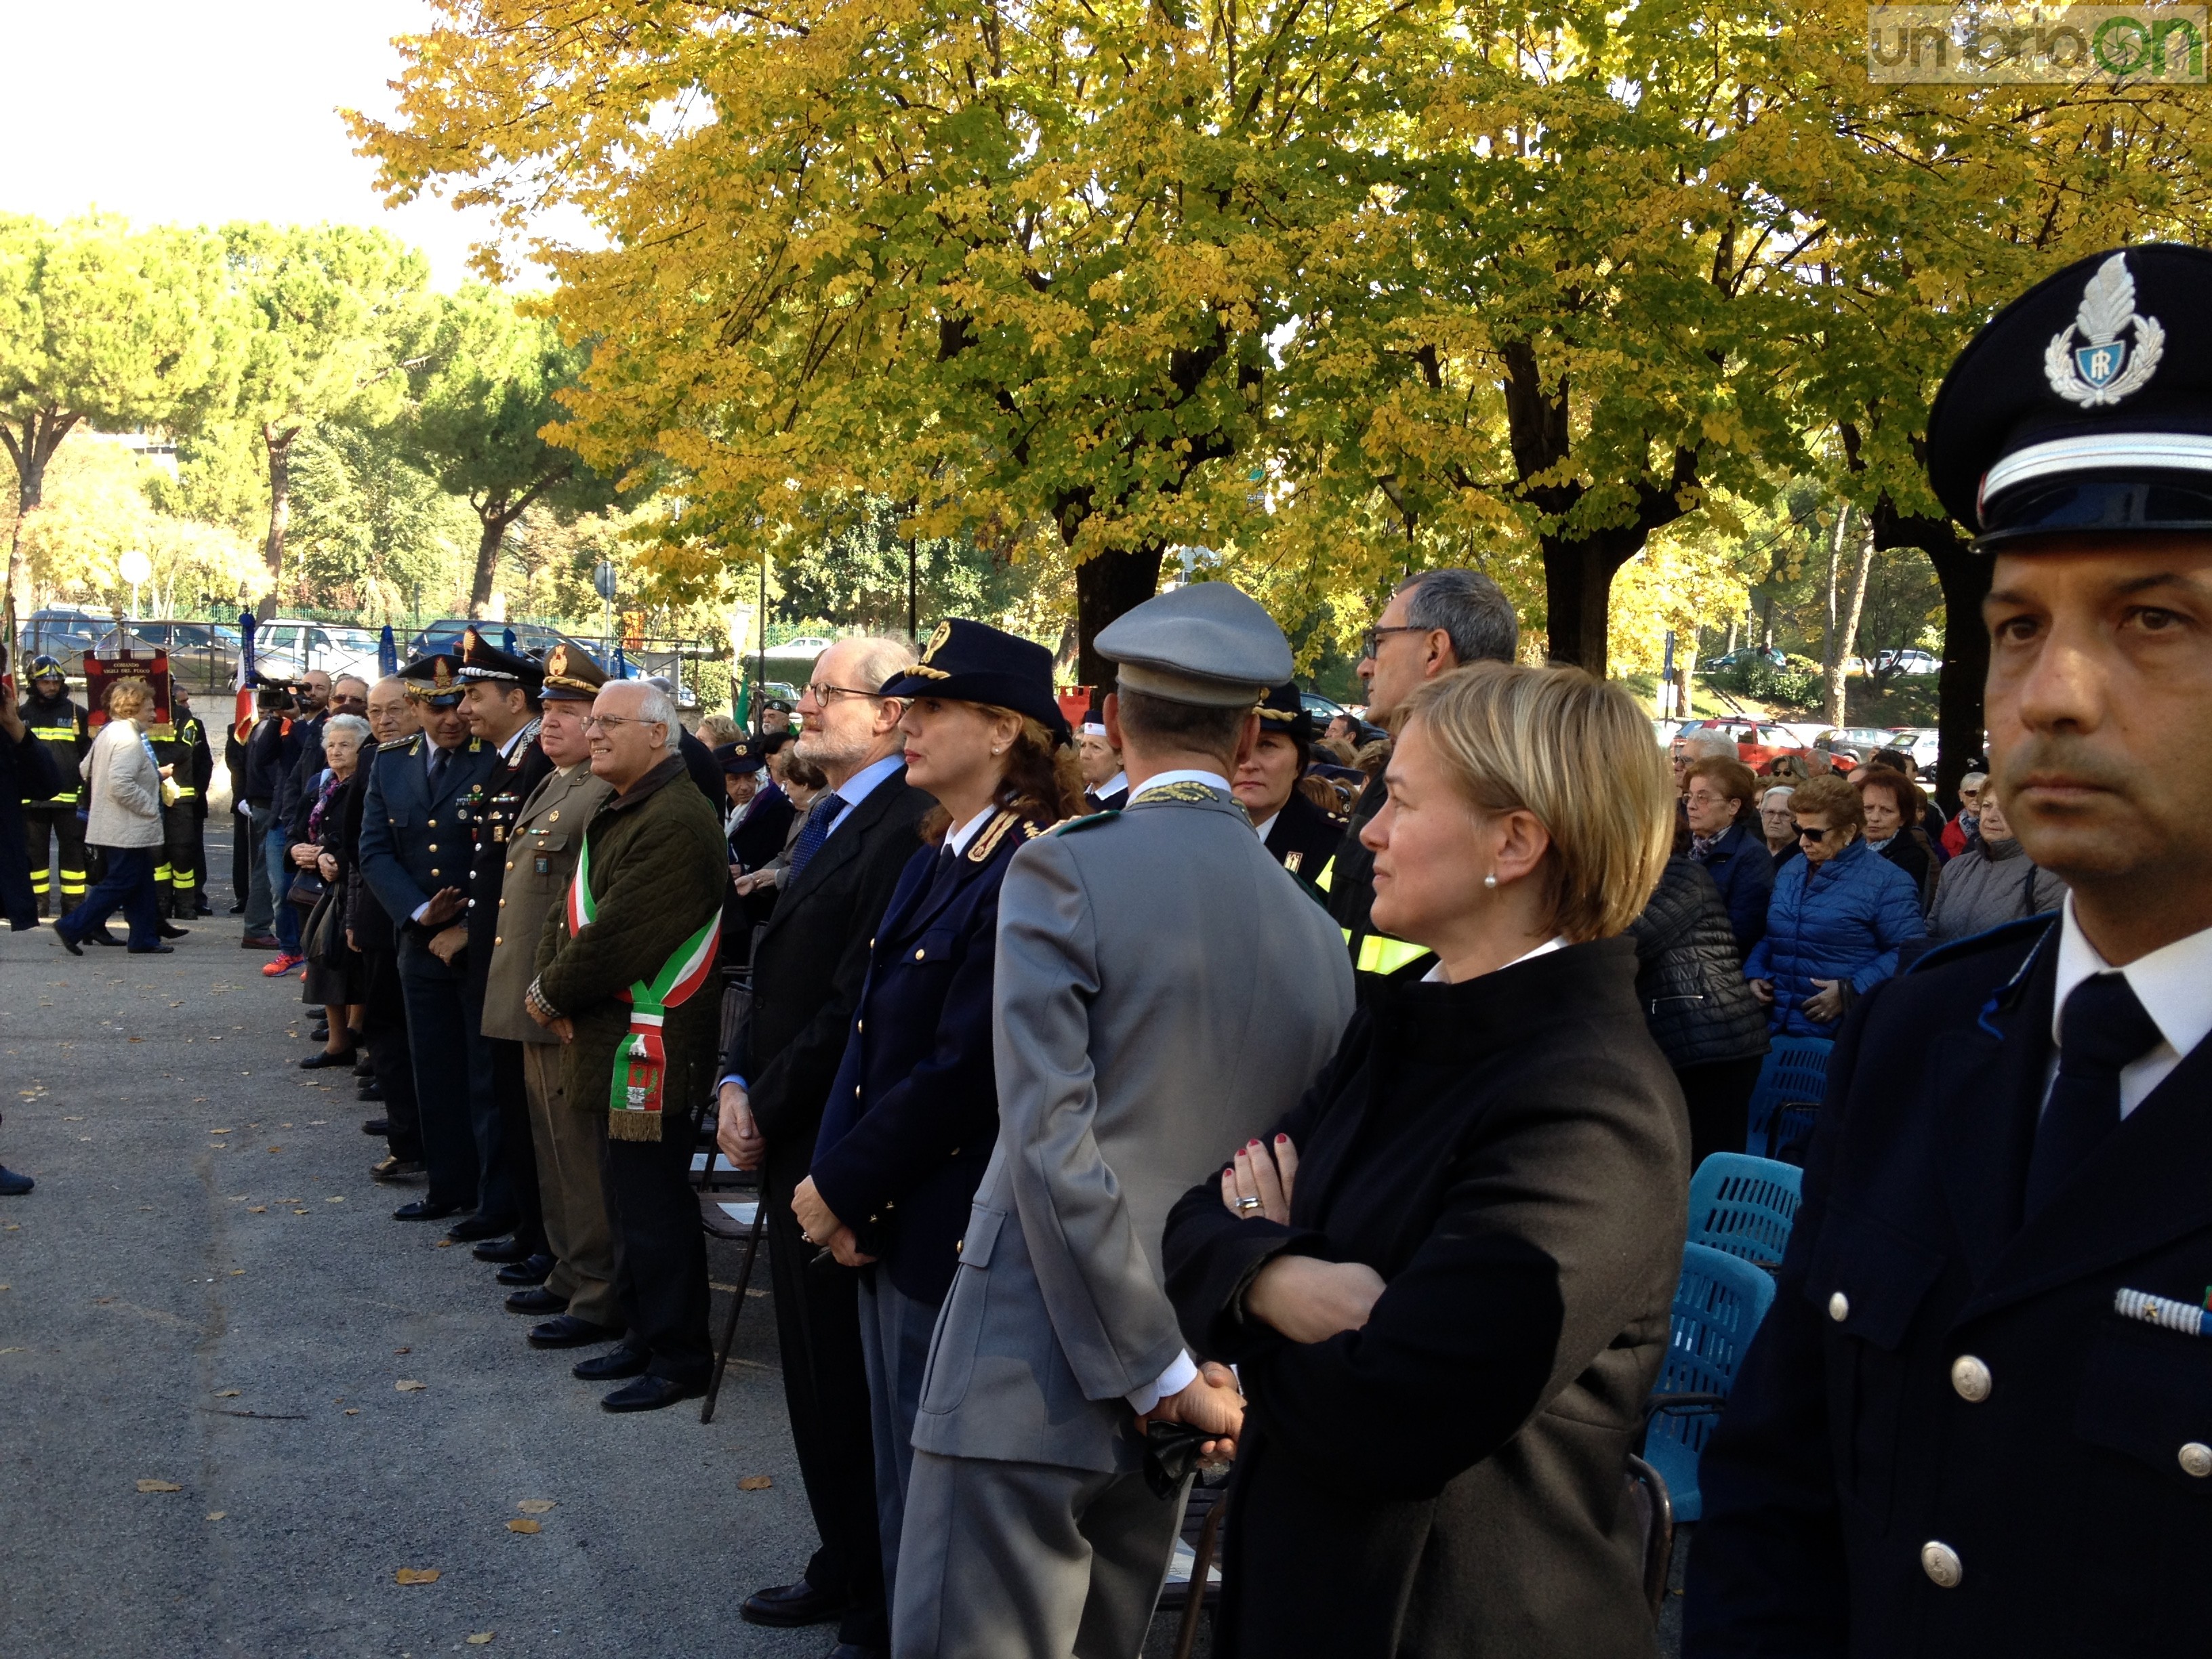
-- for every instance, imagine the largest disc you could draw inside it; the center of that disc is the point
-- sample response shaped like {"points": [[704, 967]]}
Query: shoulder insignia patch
{"points": [[1292, 859], [476, 745], [1182, 789], [979, 849], [1088, 820], [407, 743]]}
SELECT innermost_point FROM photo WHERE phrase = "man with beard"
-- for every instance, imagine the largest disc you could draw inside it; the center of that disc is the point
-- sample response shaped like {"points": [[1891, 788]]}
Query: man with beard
{"points": [[807, 974], [1991, 1312]]}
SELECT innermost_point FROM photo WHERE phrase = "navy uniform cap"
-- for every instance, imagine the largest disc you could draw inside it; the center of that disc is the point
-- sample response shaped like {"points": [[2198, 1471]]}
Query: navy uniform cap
{"points": [[2085, 406], [1284, 710], [482, 660], [435, 679], [740, 759], [973, 662], [1207, 643]]}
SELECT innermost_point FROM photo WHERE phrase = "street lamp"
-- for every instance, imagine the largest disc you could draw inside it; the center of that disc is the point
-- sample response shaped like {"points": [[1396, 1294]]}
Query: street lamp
{"points": [[135, 568]]}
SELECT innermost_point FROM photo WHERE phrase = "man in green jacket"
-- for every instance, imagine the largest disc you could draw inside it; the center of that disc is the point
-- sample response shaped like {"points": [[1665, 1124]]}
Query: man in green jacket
{"points": [[623, 970]]}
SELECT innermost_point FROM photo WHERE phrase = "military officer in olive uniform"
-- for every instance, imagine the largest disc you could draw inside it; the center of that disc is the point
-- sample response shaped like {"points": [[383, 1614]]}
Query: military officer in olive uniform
{"points": [[414, 856], [51, 824], [1977, 1419], [191, 766], [578, 1290], [501, 702]]}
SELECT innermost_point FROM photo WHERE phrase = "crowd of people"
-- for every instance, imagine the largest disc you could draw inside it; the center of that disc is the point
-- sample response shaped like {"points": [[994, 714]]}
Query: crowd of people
{"points": [[1196, 1088]]}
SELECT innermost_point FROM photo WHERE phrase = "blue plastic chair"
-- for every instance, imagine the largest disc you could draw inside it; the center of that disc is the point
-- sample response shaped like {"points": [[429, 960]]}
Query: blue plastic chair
{"points": [[1718, 1303], [1745, 1206], [1795, 1075]]}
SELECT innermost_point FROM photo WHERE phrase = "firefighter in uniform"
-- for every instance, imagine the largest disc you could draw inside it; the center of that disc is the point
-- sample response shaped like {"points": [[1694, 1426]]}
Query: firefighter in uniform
{"points": [[180, 875], [1978, 1418], [59, 723]]}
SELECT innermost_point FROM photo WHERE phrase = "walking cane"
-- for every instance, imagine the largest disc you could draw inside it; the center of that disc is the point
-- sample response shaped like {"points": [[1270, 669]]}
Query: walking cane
{"points": [[736, 1306]]}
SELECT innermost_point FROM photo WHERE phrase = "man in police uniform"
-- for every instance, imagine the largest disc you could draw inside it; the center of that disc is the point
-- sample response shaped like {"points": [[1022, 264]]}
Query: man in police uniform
{"points": [[1958, 1433], [55, 721], [185, 752], [414, 855], [1125, 1073], [1436, 620], [540, 858], [501, 703]]}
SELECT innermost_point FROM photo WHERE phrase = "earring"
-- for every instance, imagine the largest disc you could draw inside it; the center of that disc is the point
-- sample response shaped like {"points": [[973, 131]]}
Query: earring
{"points": [[1490, 881]]}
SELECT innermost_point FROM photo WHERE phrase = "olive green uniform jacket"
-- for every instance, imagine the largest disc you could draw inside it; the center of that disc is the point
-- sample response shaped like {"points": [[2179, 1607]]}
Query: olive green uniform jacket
{"points": [[658, 867]]}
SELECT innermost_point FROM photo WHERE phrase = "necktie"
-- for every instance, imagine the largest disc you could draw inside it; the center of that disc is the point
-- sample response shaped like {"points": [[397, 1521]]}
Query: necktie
{"points": [[815, 831], [437, 759], [2102, 1029]]}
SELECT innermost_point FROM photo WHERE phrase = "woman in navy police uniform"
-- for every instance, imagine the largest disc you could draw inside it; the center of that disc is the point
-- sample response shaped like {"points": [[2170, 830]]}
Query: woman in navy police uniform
{"points": [[914, 1112]]}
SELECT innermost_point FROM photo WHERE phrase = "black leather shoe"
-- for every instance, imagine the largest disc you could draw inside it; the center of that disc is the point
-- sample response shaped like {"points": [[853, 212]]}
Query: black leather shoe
{"points": [[13, 1185], [237, 909], [788, 1606], [570, 1331], [151, 949], [856, 1650], [423, 1210], [538, 1301], [323, 1060], [502, 1250], [371, 1090], [380, 1127], [530, 1270], [476, 1226], [394, 1170], [101, 935], [610, 1367], [167, 932], [72, 946], [651, 1393], [362, 1066]]}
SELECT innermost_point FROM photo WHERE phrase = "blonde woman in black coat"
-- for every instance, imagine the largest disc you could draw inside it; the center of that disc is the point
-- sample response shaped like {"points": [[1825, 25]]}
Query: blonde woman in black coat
{"points": [[1446, 1277]]}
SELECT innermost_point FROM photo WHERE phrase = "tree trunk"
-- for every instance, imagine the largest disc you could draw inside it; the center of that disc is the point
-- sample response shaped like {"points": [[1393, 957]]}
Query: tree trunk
{"points": [[1578, 592], [1965, 576], [495, 516], [42, 434], [279, 445], [1109, 585], [1843, 632]]}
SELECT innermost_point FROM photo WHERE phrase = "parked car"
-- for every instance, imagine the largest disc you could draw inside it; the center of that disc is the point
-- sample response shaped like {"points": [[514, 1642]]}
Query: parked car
{"points": [[1756, 743], [203, 654], [64, 632], [1909, 664], [1721, 664], [1320, 709], [285, 647], [1923, 743]]}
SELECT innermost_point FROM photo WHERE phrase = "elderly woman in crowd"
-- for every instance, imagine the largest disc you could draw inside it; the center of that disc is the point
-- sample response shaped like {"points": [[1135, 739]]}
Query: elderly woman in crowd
{"points": [[1890, 804], [1446, 1276], [124, 781], [1838, 916], [1703, 1016], [1991, 883], [913, 1113], [1719, 796], [335, 969], [1961, 830], [1778, 826]]}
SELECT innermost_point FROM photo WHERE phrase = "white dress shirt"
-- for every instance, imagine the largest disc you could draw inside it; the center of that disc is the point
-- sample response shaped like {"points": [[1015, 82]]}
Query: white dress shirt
{"points": [[956, 840], [1436, 975], [2174, 985]]}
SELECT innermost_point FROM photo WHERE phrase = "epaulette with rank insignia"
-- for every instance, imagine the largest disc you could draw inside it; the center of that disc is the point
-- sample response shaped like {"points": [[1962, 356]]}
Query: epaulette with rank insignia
{"points": [[1183, 789], [984, 845], [407, 742], [1069, 826]]}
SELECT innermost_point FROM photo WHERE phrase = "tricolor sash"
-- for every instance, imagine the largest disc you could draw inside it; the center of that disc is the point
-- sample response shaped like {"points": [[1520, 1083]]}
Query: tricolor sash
{"points": [[634, 1089]]}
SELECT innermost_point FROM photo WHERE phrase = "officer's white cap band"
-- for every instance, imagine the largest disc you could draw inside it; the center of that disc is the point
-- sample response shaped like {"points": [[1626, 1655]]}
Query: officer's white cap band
{"points": [[1094, 728], [2106, 452], [1171, 685]]}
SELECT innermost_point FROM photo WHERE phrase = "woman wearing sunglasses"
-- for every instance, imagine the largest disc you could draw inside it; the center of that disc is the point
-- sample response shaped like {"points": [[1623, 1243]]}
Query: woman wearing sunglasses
{"points": [[1837, 919]]}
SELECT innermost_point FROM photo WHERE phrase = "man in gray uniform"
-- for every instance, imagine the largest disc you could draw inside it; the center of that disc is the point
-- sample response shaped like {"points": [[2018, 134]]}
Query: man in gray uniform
{"points": [[1132, 1058]]}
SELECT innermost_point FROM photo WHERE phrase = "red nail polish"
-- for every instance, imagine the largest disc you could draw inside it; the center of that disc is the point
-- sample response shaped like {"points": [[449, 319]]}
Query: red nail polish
{"points": [[1282, 1140]]}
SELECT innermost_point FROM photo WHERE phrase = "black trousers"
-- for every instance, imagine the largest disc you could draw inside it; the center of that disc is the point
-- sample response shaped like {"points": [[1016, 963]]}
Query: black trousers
{"points": [[384, 1029], [1719, 1099], [825, 1389], [47, 829], [515, 1142], [438, 1028], [660, 1249]]}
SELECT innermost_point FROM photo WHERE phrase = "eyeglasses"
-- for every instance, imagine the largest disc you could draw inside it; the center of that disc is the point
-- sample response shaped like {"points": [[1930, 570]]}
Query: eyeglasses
{"points": [[1372, 639], [825, 694], [608, 722], [1700, 798], [1803, 833]]}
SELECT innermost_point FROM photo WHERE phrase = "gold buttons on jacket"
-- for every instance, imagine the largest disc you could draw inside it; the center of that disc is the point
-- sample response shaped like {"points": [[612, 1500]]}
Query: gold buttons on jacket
{"points": [[919, 955], [434, 846], [498, 941], [434, 823], [434, 873], [860, 1025], [510, 864], [1941, 1564], [2197, 1459], [1971, 1377], [1840, 1307], [502, 904]]}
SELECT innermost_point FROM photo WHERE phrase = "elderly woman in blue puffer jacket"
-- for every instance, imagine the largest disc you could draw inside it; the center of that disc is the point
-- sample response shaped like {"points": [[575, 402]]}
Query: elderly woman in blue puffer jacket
{"points": [[1837, 919]]}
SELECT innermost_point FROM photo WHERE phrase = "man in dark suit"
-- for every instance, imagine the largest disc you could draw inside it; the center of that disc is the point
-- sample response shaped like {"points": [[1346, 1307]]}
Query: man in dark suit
{"points": [[807, 974], [759, 821], [394, 717], [1977, 1419], [414, 856], [1436, 620]]}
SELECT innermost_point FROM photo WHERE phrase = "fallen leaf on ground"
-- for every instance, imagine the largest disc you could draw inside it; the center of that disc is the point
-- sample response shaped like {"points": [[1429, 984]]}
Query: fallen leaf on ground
{"points": [[353, 1411], [339, 1198], [257, 1209], [403, 1351], [226, 1394], [408, 1385], [159, 1486], [445, 1243], [536, 1506], [480, 1638], [524, 1526], [755, 1483], [237, 1272], [275, 1149], [217, 1515], [417, 1575]]}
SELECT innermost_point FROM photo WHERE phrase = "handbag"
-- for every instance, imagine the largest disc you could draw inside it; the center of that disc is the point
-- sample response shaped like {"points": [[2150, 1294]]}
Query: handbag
{"points": [[307, 889]]}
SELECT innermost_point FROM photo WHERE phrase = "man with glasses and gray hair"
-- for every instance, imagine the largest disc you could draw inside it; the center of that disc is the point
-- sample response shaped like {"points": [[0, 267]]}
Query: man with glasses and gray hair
{"points": [[1436, 620], [808, 969]]}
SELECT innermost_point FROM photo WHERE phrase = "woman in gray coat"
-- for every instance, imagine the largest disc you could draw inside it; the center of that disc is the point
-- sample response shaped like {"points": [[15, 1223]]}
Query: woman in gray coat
{"points": [[125, 821], [1993, 882]]}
